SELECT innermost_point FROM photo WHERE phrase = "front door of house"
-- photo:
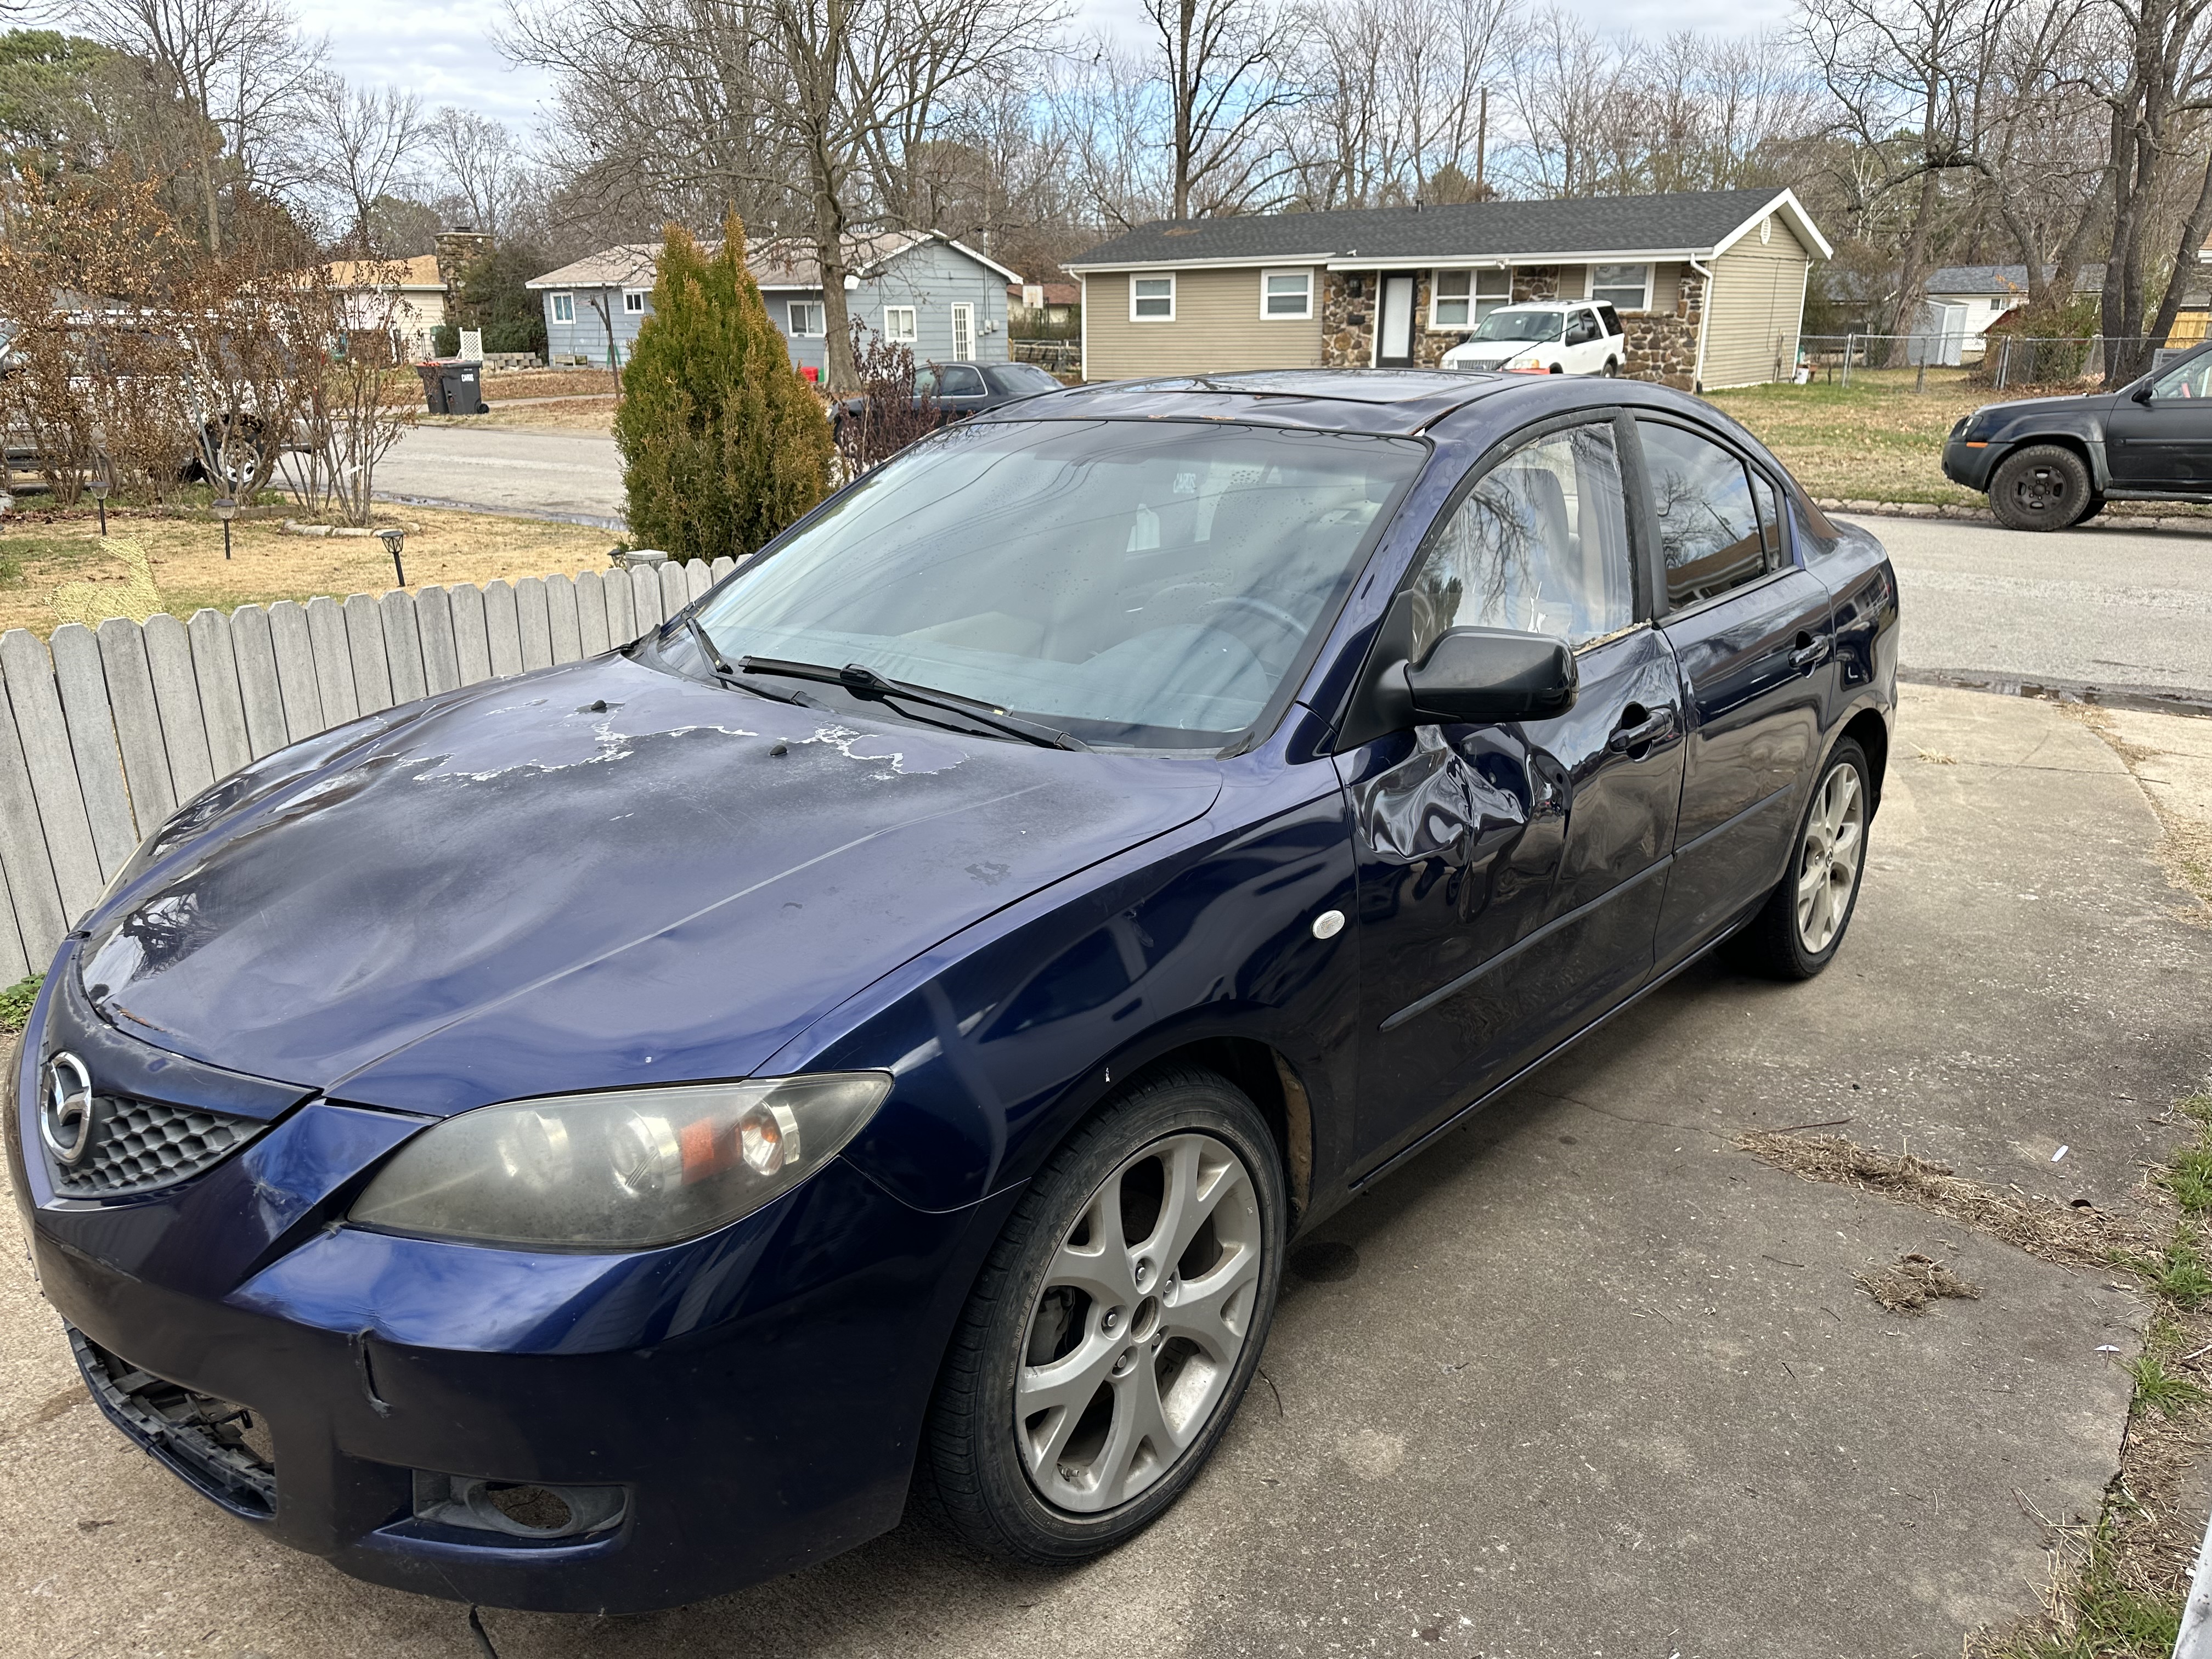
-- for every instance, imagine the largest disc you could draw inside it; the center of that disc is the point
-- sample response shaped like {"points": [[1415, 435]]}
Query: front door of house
{"points": [[1394, 322], [963, 334]]}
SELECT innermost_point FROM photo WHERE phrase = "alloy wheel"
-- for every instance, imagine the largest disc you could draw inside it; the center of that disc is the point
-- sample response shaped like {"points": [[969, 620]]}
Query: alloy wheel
{"points": [[1137, 1326], [1828, 868]]}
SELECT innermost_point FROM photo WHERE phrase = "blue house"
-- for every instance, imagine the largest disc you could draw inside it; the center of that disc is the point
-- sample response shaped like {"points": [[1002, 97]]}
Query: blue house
{"points": [[939, 296]]}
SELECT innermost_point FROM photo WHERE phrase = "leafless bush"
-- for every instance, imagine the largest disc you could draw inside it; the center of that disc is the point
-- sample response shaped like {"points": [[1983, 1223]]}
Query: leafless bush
{"points": [[345, 419], [887, 414]]}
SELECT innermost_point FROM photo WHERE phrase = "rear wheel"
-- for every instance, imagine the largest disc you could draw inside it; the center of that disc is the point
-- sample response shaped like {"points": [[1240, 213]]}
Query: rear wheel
{"points": [[1797, 932], [1115, 1327], [2043, 487]]}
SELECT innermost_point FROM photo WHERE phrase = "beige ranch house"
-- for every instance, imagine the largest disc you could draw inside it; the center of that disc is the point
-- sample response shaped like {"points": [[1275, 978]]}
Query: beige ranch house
{"points": [[1710, 285]]}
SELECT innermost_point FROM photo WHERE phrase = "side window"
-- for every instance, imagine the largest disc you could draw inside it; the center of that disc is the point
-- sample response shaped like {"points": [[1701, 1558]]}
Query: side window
{"points": [[2191, 379], [1770, 519], [1583, 329], [959, 380], [1540, 545], [1612, 318], [1708, 528]]}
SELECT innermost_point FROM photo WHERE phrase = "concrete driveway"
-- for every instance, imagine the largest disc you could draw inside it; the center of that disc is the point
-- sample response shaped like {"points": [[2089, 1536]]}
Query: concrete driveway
{"points": [[1587, 1379]]}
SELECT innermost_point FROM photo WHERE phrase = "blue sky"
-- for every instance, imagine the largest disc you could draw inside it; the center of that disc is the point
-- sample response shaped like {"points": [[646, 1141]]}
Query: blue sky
{"points": [[444, 49]]}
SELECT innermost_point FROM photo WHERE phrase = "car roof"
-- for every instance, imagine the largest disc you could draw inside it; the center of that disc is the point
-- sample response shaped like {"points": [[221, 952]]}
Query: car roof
{"points": [[1394, 402]]}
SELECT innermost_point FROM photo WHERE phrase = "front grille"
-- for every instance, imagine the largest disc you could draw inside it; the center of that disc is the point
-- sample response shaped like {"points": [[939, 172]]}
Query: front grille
{"points": [[140, 1144], [217, 1444]]}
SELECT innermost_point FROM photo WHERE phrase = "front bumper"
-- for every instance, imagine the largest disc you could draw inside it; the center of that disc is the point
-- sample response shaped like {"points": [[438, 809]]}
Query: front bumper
{"points": [[757, 1395], [1969, 465]]}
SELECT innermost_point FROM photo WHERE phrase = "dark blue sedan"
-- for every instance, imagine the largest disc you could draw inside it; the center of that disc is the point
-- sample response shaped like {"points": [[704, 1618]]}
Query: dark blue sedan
{"points": [[596, 1140]]}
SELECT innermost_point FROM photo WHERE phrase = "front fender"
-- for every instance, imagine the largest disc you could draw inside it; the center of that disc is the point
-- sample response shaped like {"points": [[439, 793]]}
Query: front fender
{"points": [[1005, 1037]]}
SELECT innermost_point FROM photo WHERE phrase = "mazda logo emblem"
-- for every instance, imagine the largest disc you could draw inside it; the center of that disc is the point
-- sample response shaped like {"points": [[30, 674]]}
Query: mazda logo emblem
{"points": [[68, 1120]]}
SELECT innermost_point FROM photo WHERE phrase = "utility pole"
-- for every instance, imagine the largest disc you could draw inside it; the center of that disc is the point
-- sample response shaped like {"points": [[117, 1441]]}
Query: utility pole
{"points": [[1481, 140]]}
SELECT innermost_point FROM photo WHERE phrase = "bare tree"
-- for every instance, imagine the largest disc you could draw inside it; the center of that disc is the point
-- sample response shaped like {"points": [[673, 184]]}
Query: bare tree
{"points": [[808, 108], [479, 164], [363, 140], [1228, 68], [240, 69]]}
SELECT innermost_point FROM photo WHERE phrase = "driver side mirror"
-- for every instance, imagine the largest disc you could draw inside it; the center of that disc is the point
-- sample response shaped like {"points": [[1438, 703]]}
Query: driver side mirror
{"points": [[1492, 674], [2142, 393]]}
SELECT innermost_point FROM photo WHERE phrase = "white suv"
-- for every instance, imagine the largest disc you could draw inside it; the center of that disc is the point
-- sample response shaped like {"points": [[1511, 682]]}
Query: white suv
{"points": [[1541, 336]]}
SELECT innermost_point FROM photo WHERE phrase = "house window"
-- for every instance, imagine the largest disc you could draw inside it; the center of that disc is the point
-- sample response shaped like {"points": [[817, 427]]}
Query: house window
{"points": [[1627, 287], [1151, 299], [633, 302], [899, 324], [1286, 294], [1460, 299], [806, 318], [564, 307]]}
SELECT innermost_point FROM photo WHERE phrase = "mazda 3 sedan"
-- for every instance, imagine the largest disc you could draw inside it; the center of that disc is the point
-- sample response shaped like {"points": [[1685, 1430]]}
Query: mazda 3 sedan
{"points": [[595, 1139]]}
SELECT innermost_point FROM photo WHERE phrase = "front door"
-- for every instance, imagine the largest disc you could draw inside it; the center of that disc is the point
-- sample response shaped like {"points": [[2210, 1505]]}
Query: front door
{"points": [[1394, 322], [963, 334], [1754, 636], [1510, 876], [2165, 442]]}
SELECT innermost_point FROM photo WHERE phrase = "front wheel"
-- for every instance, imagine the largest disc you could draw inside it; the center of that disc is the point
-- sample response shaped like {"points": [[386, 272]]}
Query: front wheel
{"points": [[1612, 368], [2043, 487], [1797, 932], [1115, 1327]]}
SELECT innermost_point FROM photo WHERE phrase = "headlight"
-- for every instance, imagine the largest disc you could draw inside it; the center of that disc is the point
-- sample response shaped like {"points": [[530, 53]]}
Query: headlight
{"points": [[624, 1170]]}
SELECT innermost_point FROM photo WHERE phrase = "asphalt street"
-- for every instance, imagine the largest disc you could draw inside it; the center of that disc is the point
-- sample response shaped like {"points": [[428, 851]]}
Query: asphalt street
{"points": [[2124, 611], [562, 475], [1584, 1379]]}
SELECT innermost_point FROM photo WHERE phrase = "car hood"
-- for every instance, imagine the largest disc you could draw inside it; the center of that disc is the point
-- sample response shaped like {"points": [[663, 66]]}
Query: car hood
{"points": [[595, 875], [1492, 351], [2036, 408]]}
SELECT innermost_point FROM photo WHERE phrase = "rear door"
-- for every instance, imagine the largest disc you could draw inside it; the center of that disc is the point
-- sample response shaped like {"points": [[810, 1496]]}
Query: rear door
{"points": [[1754, 636], [1509, 875]]}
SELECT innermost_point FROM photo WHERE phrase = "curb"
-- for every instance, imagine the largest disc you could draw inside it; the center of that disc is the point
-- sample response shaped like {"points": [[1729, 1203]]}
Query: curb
{"points": [[1983, 515]]}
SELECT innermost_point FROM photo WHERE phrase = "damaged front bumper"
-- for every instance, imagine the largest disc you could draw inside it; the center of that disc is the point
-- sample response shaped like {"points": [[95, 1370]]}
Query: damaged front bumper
{"points": [[554, 1432]]}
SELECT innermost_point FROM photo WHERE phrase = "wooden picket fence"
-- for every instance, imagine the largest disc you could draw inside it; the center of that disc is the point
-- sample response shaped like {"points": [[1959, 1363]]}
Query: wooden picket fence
{"points": [[110, 730]]}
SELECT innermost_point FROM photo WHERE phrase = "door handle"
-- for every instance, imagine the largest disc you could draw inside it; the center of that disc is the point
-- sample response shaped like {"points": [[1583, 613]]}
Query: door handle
{"points": [[1809, 653], [1647, 731]]}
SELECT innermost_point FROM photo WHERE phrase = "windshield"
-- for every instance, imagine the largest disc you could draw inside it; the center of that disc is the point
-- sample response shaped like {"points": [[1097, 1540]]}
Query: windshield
{"points": [[1144, 584], [1521, 325]]}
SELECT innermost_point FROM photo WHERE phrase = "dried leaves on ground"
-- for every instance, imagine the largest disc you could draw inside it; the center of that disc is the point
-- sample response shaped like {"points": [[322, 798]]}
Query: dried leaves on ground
{"points": [[1911, 1282]]}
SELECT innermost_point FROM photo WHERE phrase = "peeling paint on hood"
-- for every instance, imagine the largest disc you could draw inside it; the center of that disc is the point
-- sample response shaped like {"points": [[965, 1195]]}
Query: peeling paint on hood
{"points": [[602, 874]]}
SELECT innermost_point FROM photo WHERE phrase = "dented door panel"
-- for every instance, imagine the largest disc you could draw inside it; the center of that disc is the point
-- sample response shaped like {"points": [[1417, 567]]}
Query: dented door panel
{"points": [[1505, 897]]}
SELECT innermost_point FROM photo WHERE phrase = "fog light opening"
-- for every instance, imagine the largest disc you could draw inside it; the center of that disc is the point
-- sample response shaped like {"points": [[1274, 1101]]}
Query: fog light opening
{"points": [[516, 1509]]}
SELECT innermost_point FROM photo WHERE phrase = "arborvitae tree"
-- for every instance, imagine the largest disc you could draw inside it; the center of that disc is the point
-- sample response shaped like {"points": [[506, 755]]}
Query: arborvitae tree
{"points": [[722, 443]]}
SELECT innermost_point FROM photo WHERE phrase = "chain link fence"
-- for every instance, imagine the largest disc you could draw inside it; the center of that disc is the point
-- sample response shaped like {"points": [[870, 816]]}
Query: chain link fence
{"points": [[2000, 362]]}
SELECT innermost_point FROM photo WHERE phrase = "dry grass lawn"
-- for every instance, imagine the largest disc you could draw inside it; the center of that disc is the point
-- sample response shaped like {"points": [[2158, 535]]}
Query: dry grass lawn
{"points": [[1874, 440], [40, 551], [592, 414]]}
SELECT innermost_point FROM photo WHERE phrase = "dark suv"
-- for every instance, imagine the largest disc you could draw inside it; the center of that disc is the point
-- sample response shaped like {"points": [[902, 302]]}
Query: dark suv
{"points": [[2046, 463]]}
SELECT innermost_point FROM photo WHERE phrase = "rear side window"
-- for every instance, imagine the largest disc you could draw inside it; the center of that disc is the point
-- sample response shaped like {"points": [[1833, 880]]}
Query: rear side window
{"points": [[1612, 319], [1540, 545], [1708, 528], [1770, 519]]}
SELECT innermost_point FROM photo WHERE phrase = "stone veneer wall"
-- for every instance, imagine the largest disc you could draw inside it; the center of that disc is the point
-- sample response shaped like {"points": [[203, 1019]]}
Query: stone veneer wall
{"points": [[1659, 346], [1662, 345]]}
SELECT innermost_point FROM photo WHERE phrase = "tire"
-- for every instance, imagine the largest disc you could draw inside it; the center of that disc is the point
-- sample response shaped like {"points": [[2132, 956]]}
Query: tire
{"points": [[2042, 487], [1612, 369], [1079, 1475], [1786, 940], [2091, 508]]}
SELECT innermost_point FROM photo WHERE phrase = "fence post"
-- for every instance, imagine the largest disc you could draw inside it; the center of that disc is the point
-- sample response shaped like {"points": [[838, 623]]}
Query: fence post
{"points": [[1849, 341], [2004, 359], [1920, 375]]}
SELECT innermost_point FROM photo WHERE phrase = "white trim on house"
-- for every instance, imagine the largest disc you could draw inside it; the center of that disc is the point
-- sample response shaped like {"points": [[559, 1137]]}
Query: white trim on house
{"points": [[1705, 322], [634, 301], [892, 333], [1267, 276], [1785, 202], [564, 307], [1247, 260], [980, 259], [1475, 299], [1135, 298], [1590, 283]]}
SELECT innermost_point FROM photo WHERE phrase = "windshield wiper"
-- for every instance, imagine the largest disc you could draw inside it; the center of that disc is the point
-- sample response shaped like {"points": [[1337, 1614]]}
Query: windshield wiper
{"points": [[719, 666], [864, 682]]}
